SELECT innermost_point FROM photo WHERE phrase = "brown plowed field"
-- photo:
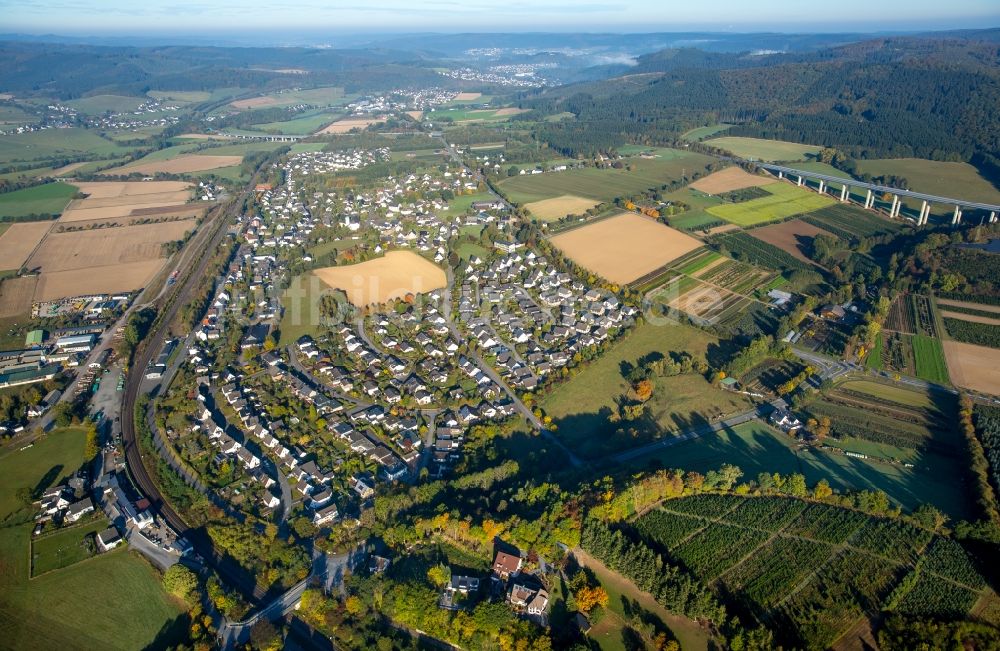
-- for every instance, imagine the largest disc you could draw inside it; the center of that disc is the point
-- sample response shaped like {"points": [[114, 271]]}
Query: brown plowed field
{"points": [[729, 179]]}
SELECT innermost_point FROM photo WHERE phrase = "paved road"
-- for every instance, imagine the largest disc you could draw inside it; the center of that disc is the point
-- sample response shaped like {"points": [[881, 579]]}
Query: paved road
{"points": [[328, 569], [493, 375]]}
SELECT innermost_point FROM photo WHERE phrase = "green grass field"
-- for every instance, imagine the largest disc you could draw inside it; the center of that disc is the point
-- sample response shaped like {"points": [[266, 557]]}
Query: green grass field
{"points": [[460, 114], [581, 406], [704, 132], [610, 631], [64, 547], [462, 203], [893, 393], [114, 601], [821, 168], [57, 143], [874, 359], [301, 126], [929, 359], [14, 116], [605, 184], [765, 150], [49, 460], [48, 199], [955, 180], [185, 96], [756, 448], [98, 104], [786, 200]]}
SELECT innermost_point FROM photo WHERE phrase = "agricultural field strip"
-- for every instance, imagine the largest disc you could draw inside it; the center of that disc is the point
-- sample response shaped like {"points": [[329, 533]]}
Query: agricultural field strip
{"points": [[837, 547]]}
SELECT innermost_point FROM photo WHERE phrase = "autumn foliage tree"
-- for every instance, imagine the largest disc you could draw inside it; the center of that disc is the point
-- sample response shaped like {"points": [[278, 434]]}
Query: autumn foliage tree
{"points": [[644, 390]]}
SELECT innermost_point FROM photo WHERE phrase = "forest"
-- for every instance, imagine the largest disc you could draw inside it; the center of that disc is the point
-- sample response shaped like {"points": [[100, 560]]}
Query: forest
{"points": [[879, 99]]}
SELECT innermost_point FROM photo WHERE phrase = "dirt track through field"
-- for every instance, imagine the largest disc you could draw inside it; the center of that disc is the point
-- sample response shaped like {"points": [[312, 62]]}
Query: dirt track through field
{"points": [[974, 318], [624, 248], [973, 367], [944, 303]]}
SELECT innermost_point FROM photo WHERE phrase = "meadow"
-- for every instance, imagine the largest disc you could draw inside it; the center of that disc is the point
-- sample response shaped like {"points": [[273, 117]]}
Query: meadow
{"points": [[47, 199], [100, 104], [58, 144], [325, 96], [603, 184], [955, 180], [786, 200], [701, 133], [308, 123], [765, 150], [581, 407], [113, 601], [756, 447]]}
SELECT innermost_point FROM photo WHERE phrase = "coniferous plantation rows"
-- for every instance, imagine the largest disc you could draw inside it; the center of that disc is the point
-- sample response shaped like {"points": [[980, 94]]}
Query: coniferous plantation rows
{"points": [[813, 567]]}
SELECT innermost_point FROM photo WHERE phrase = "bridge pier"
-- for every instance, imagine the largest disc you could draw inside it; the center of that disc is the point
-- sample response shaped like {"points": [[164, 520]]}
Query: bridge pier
{"points": [[869, 200], [781, 175], [843, 194], [957, 217], [822, 186], [798, 180], [895, 205], [925, 212], [993, 217]]}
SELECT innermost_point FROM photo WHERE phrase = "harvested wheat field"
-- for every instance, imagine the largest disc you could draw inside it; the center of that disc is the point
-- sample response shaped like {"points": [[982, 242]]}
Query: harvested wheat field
{"points": [[19, 240], [973, 367], [394, 275], [624, 248], [416, 115], [106, 246], [108, 189], [344, 126], [789, 236], [16, 295], [559, 207], [729, 179], [97, 280], [179, 165], [510, 111], [467, 97], [115, 199]]}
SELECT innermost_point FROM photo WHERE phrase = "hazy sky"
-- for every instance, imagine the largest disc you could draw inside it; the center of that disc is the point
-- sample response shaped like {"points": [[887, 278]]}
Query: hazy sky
{"points": [[163, 16]]}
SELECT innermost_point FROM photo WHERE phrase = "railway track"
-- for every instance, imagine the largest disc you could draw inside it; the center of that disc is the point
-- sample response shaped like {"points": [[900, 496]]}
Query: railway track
{"points": [[226, 567]]}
